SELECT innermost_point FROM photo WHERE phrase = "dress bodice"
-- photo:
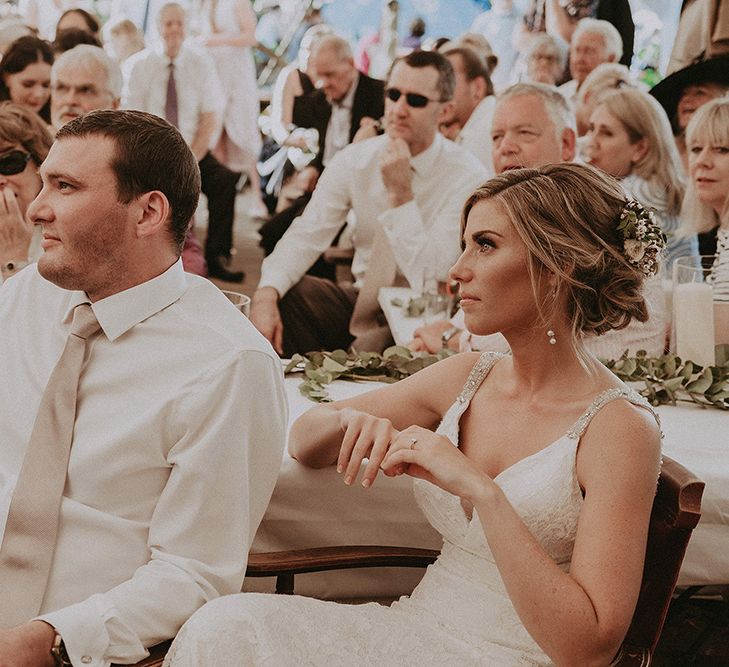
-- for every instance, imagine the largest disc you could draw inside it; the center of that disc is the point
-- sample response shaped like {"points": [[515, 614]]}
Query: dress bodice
{"points": [[543, 487]]}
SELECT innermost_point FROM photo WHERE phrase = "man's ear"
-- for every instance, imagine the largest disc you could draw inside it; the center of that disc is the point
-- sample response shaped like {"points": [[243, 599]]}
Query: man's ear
{"points": [[155, 214], [478, 88], [115, 103], [569, 142], [446, 111]]}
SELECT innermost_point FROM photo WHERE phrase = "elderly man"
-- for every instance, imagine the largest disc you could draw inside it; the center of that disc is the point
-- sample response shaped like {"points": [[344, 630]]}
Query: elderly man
{"points": [[180, 85], [143, 418], [406, 220], [85, 79], [469, 120], [594, 42], [343, 98]]}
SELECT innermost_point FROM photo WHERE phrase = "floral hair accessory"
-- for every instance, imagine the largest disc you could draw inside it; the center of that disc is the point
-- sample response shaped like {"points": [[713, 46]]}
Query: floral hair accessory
{"points": [[643, 239]]}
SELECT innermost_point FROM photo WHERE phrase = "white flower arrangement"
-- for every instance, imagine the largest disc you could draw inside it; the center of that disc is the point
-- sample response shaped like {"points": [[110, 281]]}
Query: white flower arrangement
{"points": [[643, 238]]}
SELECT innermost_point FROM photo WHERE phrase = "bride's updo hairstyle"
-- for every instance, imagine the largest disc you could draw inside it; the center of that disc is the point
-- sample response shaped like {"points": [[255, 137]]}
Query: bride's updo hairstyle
{"points": [[567, 216]]}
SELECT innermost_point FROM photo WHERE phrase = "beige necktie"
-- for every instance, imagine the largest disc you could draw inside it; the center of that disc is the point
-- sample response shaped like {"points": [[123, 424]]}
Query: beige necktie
{"points": [[381, 272], [32, 525]]}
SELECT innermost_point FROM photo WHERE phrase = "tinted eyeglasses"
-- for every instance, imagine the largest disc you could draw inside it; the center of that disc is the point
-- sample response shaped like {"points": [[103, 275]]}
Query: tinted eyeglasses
{"points": [[414, 100], [13, 162]]}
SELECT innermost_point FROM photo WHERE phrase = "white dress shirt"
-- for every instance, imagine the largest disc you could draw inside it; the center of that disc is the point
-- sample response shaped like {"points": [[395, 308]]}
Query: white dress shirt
{"points": [[177, 444], [340, 124], [475, 135], [197, 83], [569, 90], [422, 233]]}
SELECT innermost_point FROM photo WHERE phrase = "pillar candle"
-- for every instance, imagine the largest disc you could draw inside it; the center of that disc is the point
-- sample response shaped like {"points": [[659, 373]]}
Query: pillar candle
{"points": [[693, 311]]}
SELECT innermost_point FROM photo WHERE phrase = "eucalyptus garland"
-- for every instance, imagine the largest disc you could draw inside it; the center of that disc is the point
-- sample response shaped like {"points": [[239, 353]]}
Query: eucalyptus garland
{"points": [[665, 380]]}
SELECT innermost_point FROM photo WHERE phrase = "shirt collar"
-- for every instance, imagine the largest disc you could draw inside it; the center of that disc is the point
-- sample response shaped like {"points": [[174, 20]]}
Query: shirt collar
{"points": [[348, 100], [425, 162], [120, 312]]}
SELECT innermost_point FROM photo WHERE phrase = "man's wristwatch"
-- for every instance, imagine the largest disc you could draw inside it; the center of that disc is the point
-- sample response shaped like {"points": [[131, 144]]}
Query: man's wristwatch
{"points": [[58, 651], [446, 336]]}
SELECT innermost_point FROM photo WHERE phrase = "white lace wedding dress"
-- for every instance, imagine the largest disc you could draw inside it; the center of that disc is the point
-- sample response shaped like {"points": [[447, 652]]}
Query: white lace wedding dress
{"points": [[459, 614]]}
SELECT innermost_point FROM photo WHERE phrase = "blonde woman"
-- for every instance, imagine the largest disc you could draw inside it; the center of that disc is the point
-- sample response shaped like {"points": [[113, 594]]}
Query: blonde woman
{"points": [[706, 206], [539, 468], [629, 137]]}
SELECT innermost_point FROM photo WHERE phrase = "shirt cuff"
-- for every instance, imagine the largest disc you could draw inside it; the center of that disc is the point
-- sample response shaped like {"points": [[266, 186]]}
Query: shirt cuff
{"points": [[84, 629]]}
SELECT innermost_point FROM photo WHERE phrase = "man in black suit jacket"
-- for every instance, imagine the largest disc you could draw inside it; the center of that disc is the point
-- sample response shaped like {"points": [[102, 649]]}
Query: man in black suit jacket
{"points": [[343, 97]]}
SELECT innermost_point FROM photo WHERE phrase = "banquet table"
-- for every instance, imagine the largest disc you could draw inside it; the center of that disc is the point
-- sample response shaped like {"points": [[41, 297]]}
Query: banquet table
{"points": [[314, 508]]}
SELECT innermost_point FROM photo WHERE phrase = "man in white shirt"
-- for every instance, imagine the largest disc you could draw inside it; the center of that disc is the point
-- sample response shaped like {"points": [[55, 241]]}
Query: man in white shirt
{"points": [[593, 42], [469, 121], [405, 188], [180, 414], [180, 84]]}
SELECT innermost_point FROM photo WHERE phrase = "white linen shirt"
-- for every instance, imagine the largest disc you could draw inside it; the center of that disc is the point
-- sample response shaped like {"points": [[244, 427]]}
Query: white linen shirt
{"points": [[475, 135], [423, 232], [198, 87], [178, 439]]}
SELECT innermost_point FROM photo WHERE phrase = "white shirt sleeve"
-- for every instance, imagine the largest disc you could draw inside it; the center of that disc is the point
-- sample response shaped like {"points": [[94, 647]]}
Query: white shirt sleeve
{"points": [[134, 92], [313, 231], [223, 471]]}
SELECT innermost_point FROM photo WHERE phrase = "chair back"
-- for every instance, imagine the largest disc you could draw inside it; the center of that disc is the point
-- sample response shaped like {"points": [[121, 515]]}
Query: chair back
{"points": [[676, 511]]}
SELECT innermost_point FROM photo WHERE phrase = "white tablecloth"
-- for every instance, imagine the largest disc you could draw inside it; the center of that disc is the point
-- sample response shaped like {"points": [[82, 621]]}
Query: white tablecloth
{"points": [[314, 508]]}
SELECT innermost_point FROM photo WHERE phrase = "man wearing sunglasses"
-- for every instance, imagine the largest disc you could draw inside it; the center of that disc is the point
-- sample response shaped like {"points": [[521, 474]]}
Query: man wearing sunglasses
{"points": [[405, 189]]}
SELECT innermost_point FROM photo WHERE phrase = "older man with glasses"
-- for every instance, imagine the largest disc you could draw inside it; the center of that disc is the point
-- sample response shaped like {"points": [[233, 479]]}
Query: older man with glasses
{"points": [[406, 190]]}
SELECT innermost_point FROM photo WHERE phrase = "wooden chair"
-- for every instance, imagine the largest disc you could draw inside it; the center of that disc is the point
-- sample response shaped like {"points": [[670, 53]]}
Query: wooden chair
{"points": [[676, 511]]}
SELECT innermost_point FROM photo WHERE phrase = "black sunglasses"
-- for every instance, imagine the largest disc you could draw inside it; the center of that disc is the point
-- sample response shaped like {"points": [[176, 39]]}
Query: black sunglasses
{"points": [[414, 100], [13, 162]]}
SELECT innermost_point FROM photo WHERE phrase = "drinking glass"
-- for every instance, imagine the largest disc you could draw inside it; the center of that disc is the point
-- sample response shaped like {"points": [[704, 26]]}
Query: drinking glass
{"points": [[240, 301]]}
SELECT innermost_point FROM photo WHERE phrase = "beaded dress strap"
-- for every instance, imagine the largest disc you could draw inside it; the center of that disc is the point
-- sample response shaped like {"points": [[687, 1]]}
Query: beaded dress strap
{"points": [[479, 371], [603, 399]]}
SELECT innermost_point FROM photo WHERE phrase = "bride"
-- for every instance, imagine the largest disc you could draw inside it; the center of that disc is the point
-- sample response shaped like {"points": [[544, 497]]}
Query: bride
{"points": [[538, 468]]}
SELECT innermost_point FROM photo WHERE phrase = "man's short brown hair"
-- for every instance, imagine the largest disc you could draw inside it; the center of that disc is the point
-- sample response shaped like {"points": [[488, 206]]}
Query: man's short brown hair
{"points": [[150, 155]]}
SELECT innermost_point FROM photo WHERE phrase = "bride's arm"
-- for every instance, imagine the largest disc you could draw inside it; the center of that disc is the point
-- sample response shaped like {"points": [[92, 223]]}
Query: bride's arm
{"points": [[316, 437], [578, 617]]}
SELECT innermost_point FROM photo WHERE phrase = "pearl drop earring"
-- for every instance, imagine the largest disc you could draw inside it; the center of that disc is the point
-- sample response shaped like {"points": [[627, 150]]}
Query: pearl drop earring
{"points": [[552, 339]]}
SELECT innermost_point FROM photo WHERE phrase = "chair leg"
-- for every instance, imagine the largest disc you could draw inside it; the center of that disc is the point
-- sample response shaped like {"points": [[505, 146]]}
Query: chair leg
{"points": [[285, 584]]}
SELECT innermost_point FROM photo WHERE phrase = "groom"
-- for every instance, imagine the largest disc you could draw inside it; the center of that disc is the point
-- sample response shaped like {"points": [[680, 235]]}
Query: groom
{"points": [[142, 418]]}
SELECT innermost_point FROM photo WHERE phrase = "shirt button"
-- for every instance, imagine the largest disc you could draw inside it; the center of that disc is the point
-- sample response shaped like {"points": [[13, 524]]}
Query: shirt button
{"points": [[86, 659]]}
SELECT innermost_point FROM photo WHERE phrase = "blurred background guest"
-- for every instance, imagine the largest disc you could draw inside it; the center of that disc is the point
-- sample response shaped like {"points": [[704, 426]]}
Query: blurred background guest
{"points": [[629, 137], [608, 76], [227, 29], [78, 19], [43, 15], [25, 75], [545, 60], [24, 144], [498, 25]]}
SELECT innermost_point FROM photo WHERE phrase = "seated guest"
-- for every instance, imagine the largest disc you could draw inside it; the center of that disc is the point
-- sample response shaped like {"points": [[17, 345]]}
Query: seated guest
{"points": [[24, 144], [68, 39], [593, 42], [343, 98], [404, 208], [468, 121], [85, 79], [545, 60], [629, 137], [533, 127], [180, 84], [116, 454], [25, 75], [543, 544], [706, 206], [684, 91], [78, 19], [608, 76]]}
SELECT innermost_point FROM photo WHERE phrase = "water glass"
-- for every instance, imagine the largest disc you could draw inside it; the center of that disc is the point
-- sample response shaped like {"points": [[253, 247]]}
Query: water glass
{"points": [[240, 301]]}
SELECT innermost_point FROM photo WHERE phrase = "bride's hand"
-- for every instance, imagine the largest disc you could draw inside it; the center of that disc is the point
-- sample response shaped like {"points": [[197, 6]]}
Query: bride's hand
{"points": [[421, 453], [365, 436]]}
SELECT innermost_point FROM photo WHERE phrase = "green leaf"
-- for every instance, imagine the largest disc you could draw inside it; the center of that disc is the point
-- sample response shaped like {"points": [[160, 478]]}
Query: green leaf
{"points": [[333, 366]]}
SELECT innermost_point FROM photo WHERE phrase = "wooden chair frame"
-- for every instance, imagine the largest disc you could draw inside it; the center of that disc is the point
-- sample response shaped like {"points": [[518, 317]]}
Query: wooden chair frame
{"points": [[676, 511]]}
